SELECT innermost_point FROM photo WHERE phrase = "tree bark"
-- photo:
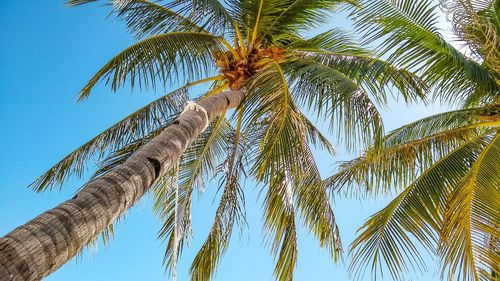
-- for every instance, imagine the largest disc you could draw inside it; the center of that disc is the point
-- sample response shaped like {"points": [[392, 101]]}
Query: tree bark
{"points": [[39, 247]]}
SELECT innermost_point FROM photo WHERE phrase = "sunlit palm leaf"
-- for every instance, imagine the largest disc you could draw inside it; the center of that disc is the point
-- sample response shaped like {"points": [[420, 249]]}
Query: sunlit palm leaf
{"points": [[408, 151], [431, 125], [212, 15], [472, 217], [285, 162], [314, 205], [279, 223], [387, 239], [198, 162], [281, 18]]}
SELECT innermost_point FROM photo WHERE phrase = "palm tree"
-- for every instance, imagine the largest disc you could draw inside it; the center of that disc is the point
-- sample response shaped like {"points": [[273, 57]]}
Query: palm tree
{"points": [[257, 61], [445, 168]]}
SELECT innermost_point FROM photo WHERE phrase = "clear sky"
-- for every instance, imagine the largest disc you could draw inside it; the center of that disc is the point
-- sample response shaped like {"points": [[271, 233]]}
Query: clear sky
{"points": [[47, 52]]}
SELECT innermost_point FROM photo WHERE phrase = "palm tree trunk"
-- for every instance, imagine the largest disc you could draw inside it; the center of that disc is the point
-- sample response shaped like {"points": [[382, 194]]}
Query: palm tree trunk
{"points": [[39, 247]]}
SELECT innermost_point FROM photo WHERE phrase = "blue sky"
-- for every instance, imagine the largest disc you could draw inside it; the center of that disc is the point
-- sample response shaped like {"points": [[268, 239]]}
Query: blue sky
{"points": [[47, 52]]}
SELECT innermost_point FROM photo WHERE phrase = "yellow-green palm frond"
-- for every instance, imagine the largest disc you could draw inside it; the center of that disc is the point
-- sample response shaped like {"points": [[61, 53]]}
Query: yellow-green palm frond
{"points": [[270, 105], [411, 39], [284, 161], [337, 49], [472, 217], [408, 151], [154, 17], [146, 18], [198, 162], [313, 204], [316, 138], [389, 240], [444, 160], [172, 205]]}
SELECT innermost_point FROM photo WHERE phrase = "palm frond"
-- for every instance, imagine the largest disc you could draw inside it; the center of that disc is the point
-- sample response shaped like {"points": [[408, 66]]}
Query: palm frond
{"points": [[476, 22], [408, 151], [334, 40], [431, 125], [146, 18], [337, 98], [381, 171], [316, 138], [471, 217], [212, 15], [168, 16], [172, 205], [271, 18], [388, 239], [411, 39], [137, 125], [313, 203], [162, 58], [284, 161], [279, 224], [271, 105]]}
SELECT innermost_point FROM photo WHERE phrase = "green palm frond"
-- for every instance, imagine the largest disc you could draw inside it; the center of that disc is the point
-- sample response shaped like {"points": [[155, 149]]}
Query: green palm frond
{"points": [[146, 18], [153, 17], [337, 98], [284, 161], [388, 238], [381, 171], [283, 18], [212, 15], [204, 154], [338, 50], [137, 125], [411, 39], [172, 205], [480, 117], [316, 138], [314, 206], [334, 40], [163, 58], [271, 104], [472, 216]]}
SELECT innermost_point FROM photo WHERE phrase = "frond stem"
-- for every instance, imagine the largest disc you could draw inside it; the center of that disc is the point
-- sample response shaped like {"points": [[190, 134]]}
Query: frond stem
{"points": [[256, 27]]}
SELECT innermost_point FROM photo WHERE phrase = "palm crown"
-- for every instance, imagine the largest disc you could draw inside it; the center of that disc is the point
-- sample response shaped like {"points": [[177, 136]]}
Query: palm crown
{"points": [[445, 167], [258, 47]]}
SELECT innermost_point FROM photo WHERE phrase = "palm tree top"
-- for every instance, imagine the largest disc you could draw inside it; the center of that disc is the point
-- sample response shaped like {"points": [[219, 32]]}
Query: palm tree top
{"points": [[256, 46]]}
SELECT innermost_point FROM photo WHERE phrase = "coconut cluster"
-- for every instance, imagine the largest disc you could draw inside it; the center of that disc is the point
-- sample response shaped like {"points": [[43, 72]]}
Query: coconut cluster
{"points": [[237, 69]]}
